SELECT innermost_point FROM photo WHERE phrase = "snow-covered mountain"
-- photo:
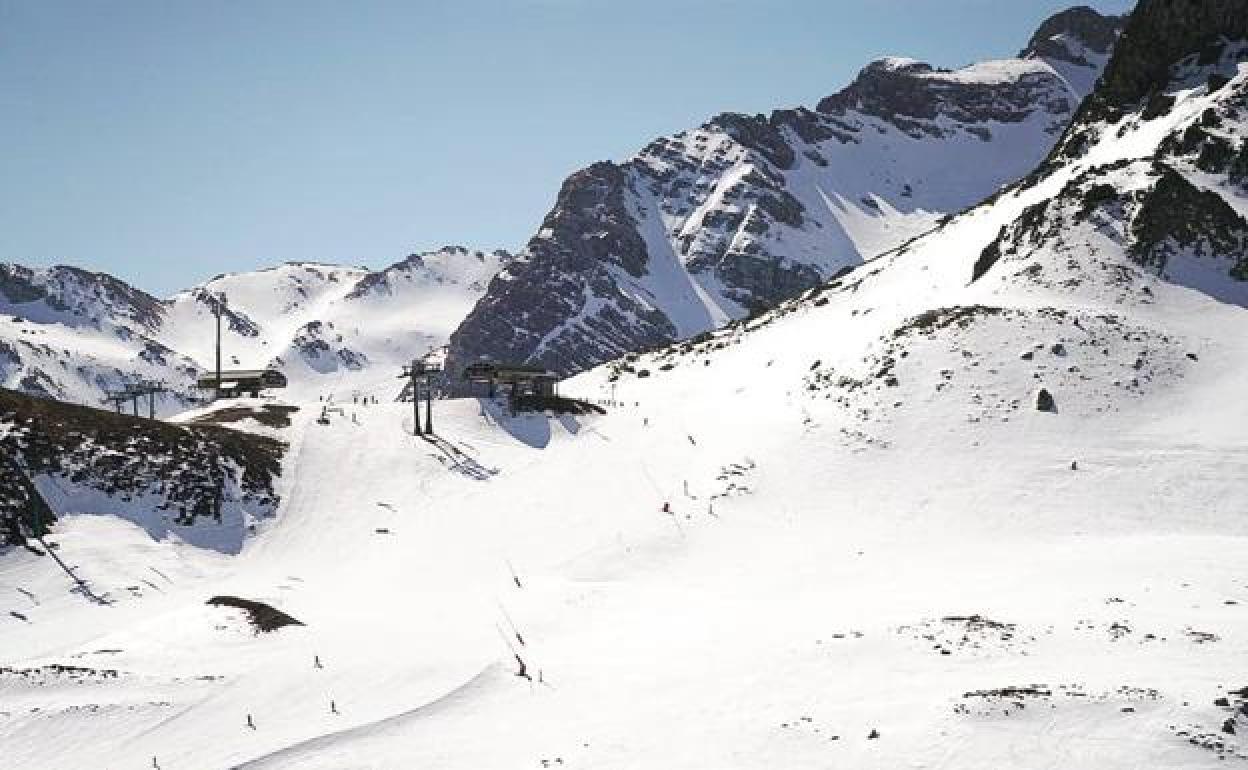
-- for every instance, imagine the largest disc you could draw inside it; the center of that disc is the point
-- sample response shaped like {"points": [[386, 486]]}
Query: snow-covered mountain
{"points": [[73, 335], [711, 224], [309, 319], [1113, 272], [975, 504], [696, 230]]}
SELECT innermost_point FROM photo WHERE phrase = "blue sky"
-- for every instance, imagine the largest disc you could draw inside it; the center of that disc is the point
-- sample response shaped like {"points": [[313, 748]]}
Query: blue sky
{"points": [[165, 141]]}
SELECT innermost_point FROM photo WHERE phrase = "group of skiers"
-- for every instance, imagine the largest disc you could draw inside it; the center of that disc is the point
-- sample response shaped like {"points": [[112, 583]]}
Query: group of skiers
{"points": [[356, 398], [251, 722]]}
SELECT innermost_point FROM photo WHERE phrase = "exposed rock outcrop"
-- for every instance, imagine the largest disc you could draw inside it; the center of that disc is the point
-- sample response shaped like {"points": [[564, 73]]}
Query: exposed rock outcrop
{"points": [[110, 462]]}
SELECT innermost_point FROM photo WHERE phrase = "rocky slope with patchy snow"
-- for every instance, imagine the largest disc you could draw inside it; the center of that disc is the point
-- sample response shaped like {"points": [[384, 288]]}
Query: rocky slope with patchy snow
{"points": [[203, 483], [73, 335], [1089, 279], [715, 223], [70, 334]]}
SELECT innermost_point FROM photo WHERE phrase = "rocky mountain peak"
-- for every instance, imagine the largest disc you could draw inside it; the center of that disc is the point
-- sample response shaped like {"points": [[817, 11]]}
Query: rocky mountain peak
{"points": [[1068, 35], [901, 91], [77, 293], [885, 86]]}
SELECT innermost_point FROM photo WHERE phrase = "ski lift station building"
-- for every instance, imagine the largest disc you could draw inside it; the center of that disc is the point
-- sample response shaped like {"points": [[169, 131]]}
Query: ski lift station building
{"points": [[521, 379], [235, 382]]}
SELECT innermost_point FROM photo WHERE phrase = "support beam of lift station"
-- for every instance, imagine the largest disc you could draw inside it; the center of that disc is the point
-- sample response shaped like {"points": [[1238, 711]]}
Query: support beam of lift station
{"points": [[418, 372], [133, 393]]}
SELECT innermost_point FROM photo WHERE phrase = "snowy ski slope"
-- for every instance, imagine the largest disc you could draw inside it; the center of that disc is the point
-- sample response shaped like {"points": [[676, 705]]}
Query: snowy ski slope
{"points": [[936, 563], [793, 601], [851, 532]]}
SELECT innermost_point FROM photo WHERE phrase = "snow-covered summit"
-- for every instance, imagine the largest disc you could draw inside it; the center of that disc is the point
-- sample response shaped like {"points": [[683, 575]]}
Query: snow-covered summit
{"points": [[450, 264], [73, 335], [74, 297]]}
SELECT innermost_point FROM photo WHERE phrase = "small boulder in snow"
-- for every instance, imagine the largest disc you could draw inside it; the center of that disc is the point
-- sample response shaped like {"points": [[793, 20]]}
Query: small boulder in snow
{"points": [[1044, 401], [263, 617]]}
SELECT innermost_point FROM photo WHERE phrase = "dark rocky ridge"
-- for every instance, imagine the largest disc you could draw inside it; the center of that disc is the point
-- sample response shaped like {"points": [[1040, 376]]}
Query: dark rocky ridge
{"points": [[561, 270], [1177, 214], [1157, 35], [1209, 146], [906, 92], [189, 470], [1162, 45]]}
